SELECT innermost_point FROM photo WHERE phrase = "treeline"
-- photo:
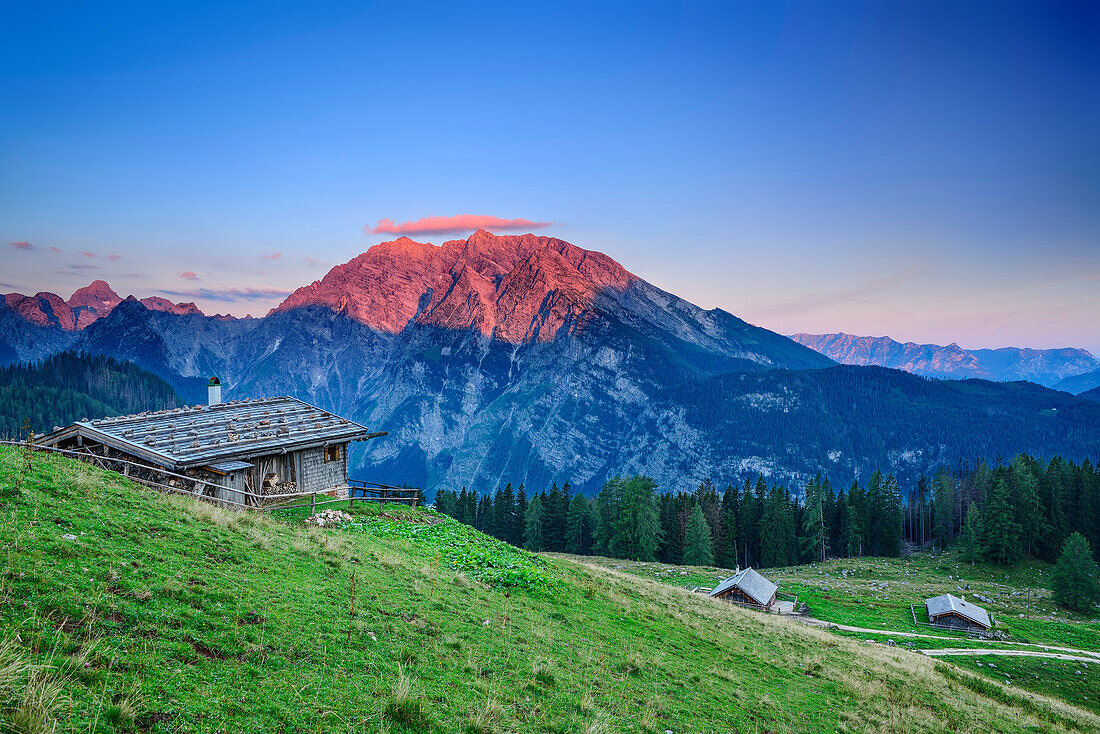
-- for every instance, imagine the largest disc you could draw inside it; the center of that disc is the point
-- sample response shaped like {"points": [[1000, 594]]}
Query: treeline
{"points": [[70, 386], [1003, 514], [758, 524], [1026, 508]]}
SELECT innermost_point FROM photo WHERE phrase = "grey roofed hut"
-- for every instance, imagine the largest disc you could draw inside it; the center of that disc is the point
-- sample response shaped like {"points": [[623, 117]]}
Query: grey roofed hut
{"points": [[955, 613], [268, 446], [747, 587]]}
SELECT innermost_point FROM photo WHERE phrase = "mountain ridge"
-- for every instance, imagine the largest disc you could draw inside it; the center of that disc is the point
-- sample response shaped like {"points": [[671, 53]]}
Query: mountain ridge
{"points": [[1042, 366]]}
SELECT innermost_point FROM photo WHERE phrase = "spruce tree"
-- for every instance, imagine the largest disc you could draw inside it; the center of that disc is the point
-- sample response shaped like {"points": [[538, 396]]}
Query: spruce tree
{"points": [[608, 507], [533, 534], [638, 529], [1076, 580], [1002, 532], [697, 540], [579, 526], [970, 540], [943, 507], [812, 532]]}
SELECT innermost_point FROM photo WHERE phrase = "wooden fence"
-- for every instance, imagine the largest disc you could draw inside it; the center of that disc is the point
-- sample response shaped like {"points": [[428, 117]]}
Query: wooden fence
{"points": [[164, 480]]}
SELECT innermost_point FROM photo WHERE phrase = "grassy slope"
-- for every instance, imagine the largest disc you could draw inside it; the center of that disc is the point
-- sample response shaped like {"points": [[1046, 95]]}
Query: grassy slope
{"points": [[191, 618], [876, 593]]}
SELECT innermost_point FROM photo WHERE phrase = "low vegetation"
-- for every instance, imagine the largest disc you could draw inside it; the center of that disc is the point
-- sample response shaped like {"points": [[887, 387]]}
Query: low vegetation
{"points": [[126, 610]]}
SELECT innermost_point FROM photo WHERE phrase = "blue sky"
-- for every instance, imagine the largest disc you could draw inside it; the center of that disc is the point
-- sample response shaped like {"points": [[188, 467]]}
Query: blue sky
{"points": [[929, 171]]}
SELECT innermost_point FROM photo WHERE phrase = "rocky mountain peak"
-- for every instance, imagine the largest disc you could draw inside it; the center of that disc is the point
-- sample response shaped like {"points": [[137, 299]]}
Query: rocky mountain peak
{"points": [[512, 287]]}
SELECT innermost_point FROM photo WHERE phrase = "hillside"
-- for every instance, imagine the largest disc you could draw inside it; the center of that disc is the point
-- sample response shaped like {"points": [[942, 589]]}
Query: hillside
{"points": [[1042, 366], [149, 612], [1078, 384], [72, 386]]}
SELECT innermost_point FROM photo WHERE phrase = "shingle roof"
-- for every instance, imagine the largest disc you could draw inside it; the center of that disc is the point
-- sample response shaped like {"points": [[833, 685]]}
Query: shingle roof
{"points": [[755, 586], [204, 434], [947, 603]]}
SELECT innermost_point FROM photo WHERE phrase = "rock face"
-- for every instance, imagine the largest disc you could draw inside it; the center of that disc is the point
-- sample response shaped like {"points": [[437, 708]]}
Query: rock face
{"points": [[512, 288], [1042, 366], [529, 360]]}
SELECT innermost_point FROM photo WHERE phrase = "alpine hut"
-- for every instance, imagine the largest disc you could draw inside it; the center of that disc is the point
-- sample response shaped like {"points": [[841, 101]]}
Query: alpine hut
{"points": [[747, 587], [955, 613], [243, 448]]}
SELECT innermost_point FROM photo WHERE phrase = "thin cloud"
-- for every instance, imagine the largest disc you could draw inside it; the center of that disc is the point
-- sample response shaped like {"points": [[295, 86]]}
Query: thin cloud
{"points": [[448, 225], [229, 295], [112, 257], [86, 254], [85, 267], [55, 249], [272, 256], [863, 292], [189, 275], [22, 245]]}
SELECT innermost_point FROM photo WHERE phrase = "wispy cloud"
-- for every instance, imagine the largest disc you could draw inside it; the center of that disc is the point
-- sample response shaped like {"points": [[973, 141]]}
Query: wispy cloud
{"points": [[863, 292], [22, 245], [85, 267], [85, 253], [229, 295], [459, 223], [271, 256], [189, 275], [112, 257], [55, 249]]}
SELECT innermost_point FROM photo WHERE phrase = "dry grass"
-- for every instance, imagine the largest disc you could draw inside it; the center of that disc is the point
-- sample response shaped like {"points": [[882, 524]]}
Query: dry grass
{"points": [[32, 697]]}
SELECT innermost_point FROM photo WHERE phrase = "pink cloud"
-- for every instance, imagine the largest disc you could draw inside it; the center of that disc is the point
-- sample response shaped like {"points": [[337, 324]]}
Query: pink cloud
{"points": [[114, 257], [272, 256], [86, 254], [460, 223], [22, 245], [255, 293], [189, 275], [55, 249]]}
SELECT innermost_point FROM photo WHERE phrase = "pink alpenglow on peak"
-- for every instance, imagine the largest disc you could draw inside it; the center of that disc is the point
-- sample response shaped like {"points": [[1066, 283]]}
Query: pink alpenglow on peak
{"points": [[454, 225], [87, 305], [516, 288]]}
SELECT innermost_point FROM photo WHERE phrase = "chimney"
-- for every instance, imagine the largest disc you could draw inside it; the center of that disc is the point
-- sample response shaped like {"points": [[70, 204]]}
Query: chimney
{"points": [[214, 391]]}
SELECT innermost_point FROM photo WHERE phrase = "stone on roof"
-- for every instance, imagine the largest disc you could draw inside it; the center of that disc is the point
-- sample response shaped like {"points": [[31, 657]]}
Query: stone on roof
{"points": [[948, 603], [754, 586], [202, 434]]}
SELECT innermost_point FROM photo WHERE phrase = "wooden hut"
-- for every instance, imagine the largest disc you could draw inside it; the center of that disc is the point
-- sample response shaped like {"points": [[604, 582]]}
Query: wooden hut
{"points": [[747, 587], [951, 612], [269, 446]]}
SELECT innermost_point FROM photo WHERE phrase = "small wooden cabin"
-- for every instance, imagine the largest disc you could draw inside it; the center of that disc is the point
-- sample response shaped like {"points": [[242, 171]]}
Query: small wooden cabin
{"points": [[747, 587], [951, 612], [269, 446]]}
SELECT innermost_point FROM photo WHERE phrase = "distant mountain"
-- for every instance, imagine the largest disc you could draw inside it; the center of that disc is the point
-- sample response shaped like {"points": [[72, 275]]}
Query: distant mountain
{"points": [[528, 359], [85, 306], [71, 386], [1041, 366], [1078, 384], [1093, 395]]}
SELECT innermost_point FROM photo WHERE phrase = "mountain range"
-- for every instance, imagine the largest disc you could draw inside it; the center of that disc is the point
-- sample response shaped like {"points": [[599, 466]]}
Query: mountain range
{"points": [[528, 359], [1042, 366]]}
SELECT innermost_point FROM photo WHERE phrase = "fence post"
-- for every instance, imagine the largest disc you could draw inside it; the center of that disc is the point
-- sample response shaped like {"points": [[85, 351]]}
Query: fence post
{"points": [[313, 504]]}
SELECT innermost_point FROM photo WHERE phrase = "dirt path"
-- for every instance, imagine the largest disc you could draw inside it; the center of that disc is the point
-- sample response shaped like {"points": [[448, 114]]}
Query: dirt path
{"points": [[849, 628], [1067, 653], [1009, 653]]}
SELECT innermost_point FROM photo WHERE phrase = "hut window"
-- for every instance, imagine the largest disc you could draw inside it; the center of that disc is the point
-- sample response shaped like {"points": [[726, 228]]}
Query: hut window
{"points": [[332, 453]]}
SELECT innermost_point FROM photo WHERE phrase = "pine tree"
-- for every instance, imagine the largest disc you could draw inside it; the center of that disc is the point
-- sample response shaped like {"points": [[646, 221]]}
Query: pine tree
{"points": [[579, 526], [943, 507], [1027, 509], [638, 529], [812, 535], [726, 557], [889, 541], [857, 511], [533, 534], [697, 540], [608, 508], [1076, 580], [1002, 532], [970, 541], [519, 524]]}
